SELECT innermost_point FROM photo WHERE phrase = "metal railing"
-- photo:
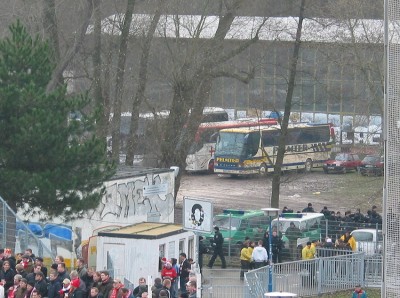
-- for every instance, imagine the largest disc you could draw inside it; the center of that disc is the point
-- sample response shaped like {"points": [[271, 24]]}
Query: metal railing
{"points": [[332, 228], [222, 283], [318, 276]]}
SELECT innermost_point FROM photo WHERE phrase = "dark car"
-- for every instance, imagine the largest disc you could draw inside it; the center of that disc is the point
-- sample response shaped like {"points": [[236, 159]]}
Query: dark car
{"points": [[342, 163], [372, 165]]}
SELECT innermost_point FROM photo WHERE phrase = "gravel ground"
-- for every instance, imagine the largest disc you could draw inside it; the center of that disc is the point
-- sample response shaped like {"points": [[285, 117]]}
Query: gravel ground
{"points": [[339, 192]]}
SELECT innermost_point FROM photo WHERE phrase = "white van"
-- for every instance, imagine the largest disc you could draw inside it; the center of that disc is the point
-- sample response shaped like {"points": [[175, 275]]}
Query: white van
{"points": [[308, 223]]}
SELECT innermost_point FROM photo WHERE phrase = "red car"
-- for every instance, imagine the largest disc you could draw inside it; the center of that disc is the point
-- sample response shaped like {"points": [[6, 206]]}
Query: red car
{"points": [[342, 163], [372, 165]]}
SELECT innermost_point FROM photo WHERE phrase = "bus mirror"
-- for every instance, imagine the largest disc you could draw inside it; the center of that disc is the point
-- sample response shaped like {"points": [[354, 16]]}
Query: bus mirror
{"points": [[176, 170]]}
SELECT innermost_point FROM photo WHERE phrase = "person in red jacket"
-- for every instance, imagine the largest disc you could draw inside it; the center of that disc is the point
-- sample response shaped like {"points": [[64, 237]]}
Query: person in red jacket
{"points": [[168, 272]]}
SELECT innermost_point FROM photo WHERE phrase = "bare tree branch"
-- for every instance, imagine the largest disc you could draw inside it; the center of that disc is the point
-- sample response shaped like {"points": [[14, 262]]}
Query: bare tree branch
{"points": [[69, 55], [228, 74]]}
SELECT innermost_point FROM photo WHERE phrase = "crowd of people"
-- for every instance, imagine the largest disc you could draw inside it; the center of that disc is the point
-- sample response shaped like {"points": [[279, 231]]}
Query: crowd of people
{"points": [[372, 216], [25, 276]]}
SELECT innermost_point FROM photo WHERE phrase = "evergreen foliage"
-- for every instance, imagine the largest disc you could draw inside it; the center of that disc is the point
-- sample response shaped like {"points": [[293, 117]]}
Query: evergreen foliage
{"points": [[50, 164]]}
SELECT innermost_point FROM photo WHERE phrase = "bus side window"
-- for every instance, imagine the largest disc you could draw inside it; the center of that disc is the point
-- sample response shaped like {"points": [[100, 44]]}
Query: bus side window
{"points": [[293, 137], [253, 142], [270, 138]]}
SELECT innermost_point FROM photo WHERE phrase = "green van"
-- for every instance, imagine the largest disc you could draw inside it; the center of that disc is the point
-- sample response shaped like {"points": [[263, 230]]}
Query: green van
{"points": [[236, 225]]}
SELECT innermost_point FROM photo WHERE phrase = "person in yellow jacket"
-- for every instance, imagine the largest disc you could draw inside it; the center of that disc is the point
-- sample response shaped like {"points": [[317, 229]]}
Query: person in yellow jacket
{"points": [[349, 240], [245, 258], [307, 252]]}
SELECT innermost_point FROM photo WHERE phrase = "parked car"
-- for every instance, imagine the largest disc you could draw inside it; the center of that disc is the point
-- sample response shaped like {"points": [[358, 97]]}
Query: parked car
{"points": [[372, 165], [342, 163], [368, 240]]}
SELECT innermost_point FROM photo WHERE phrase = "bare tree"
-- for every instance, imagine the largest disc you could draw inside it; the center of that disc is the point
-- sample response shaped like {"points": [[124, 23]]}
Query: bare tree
{"points": [[116, 120], [288, 106], [101, 128], [141, 85], [194, 67], [63, 59], [359, 53]]}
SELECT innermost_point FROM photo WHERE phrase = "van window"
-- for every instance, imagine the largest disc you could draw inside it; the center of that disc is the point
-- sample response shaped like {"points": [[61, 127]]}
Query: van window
{"points": [[363, 236], [244, 225]]}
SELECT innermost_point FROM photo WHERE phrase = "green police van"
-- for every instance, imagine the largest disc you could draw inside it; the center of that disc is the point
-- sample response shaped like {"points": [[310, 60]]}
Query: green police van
{"points": [[235, 226]]}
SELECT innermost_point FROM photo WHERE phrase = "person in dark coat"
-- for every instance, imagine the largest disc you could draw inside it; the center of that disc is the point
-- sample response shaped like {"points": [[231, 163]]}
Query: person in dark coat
{"points": [[7, 276], [142, 287], [19, 269], [54, 285], [184, 271], [106, 283], [202, 250], [94, 293], [39, 261], [277, 244], [8, 256], [62, 272], [292, 234], [218, 248], [156, 288], [41, 284], [32, 276], [75, 291], [308, 209]]}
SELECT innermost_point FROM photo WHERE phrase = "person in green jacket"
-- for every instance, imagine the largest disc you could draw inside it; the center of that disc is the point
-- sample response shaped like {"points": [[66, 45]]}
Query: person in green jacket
{"points": [[292, 234]]}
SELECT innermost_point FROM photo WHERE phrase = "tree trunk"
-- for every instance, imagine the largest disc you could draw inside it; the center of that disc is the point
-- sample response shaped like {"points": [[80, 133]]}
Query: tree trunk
{"points": [[101, 127], [66, 58], [288, 106], [119, 84], [51, 30], [139, 96]]}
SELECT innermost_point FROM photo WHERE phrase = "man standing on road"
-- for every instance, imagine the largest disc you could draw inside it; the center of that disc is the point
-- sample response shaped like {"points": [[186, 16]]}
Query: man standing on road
{"points": [[184, 271], [292, 234], [217, 245], [202, 250], [277, 244], [260, 255], [308, 254]]}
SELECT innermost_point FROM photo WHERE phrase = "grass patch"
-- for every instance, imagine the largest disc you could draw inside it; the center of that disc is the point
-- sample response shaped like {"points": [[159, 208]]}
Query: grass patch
{"points": [[372, 293]]}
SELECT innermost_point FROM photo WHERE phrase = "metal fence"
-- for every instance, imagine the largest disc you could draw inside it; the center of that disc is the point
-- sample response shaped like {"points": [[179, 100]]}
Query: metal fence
{"points": [[328, 228], [17, 235], [222, 283], [305, 278]]}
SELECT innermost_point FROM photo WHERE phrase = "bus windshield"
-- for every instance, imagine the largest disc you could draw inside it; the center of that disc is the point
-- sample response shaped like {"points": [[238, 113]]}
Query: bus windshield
{"points": [[238, 144], [231, 144]]}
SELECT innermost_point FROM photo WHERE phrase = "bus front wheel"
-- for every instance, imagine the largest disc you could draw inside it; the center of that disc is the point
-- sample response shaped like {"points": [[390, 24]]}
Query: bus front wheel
{"points": [[308, 166], [211, 166], [263, 170]]}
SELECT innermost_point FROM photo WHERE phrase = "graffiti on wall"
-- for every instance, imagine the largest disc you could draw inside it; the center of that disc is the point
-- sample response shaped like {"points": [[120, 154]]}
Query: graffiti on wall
{"points": [[54, 236], [125, 200]]}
